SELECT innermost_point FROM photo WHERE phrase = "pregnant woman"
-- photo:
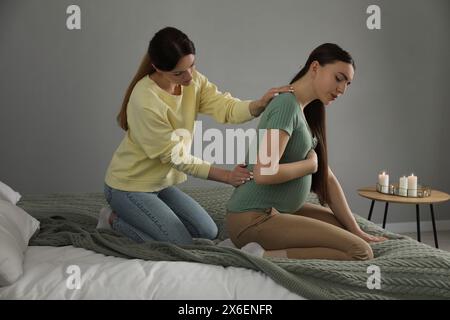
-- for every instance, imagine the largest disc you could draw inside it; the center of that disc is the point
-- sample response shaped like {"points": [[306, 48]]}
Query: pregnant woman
{"points": [[166, 94], [268, 214]]}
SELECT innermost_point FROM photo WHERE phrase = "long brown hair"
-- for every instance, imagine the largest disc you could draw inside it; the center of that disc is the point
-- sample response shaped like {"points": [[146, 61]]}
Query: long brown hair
{"points": [[315, 114], [166, 48]]}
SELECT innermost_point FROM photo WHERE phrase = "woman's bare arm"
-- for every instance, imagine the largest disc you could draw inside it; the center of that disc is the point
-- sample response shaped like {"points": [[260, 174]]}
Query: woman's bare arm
{"points": [[338, 204], [268, 170]]}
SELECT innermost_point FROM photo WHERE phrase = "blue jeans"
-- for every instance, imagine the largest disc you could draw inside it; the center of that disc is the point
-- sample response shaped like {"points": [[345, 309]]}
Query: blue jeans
{"points": [[167, 215]]}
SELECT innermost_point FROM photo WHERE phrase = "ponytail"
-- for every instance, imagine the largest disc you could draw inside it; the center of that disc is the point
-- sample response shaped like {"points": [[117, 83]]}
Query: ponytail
{"points": [[145, 69]]}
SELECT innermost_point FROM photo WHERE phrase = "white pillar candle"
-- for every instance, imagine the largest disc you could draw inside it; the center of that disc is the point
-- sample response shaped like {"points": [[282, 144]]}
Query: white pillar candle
{"points": [[383, 181], [412, 185], [403, 186]]}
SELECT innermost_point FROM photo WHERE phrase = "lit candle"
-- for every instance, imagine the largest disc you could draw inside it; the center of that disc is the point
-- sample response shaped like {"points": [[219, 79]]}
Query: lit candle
{"points": [[383, 181], [403, 186], [412, 185]]}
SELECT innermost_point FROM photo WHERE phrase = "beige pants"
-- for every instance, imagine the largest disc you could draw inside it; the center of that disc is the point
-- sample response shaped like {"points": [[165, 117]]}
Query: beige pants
{"points": [[311, 233]]}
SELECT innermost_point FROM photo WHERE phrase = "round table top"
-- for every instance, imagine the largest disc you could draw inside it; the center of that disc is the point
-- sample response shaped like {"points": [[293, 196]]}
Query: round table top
{"points": [[371, 193]]}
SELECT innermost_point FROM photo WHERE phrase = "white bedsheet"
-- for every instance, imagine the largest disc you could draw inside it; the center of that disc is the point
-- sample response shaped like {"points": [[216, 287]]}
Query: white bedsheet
{"points": [[104, 277]]}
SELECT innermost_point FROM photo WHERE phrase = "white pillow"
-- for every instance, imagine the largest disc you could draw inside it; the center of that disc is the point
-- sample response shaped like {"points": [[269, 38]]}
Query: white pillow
{"points": [[16, 229], [11, 254], [8, 194]]}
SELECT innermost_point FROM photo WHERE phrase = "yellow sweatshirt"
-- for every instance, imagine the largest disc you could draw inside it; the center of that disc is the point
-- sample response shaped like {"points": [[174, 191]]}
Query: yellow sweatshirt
{"points": [[143, 162]]}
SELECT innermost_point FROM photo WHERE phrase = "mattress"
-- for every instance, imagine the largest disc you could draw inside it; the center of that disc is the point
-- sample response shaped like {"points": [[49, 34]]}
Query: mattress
{"points": [[118, 268], [50, 273]]}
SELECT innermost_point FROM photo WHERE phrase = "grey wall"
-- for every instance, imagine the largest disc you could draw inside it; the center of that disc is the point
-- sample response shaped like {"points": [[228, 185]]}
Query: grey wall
{"points": [[61, 90]]}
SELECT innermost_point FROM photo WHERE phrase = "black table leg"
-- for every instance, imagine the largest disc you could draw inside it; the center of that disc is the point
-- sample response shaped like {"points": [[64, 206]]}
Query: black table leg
{"points": [[385, 214], [418, 222], [371, 209], [434, 226]]}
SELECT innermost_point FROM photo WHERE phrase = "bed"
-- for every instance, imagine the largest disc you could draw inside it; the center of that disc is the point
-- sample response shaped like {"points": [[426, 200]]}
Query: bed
{"points": [[112, 267]]}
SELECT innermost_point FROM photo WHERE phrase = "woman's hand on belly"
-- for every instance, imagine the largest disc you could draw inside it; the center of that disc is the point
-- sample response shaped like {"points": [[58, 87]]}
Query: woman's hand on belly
{"points": [[312, 156]]}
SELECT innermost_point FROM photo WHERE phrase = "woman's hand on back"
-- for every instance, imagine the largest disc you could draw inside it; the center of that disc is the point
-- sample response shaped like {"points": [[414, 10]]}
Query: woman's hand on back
{"points": [[258, 106], [271, 93], [239, 175]]}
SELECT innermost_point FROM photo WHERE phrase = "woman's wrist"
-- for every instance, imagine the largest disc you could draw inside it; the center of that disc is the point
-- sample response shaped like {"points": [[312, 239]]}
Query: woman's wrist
{"points": [[219, 175], [256, 108], [355, 229], [312, 166]]}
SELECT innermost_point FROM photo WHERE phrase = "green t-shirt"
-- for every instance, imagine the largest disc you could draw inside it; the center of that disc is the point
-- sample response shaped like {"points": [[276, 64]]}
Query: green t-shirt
{"points": [[284, 113]]}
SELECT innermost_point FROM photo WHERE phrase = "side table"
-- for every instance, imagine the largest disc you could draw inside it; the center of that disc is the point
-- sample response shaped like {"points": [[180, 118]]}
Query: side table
{"points": [[435, 197]]}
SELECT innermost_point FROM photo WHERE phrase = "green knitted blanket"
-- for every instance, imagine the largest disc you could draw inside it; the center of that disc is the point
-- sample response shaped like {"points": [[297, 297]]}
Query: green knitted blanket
{"points": [[408, 269]]}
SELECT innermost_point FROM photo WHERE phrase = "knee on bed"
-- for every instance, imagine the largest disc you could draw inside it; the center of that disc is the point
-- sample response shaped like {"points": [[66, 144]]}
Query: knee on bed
{"points": [[209, 232], [361, 251]]}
